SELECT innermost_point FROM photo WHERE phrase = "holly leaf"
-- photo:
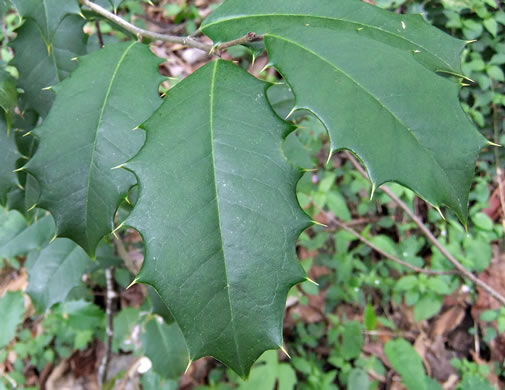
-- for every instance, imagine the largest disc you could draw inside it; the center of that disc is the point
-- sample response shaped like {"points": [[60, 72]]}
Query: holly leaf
{"points": [[32, 237], [79, 187], [219, 215], [40, 69], [9, 155], [8, 91], [47, 14], [55, 270], [164, 345], [379, 89], [12, 307]]}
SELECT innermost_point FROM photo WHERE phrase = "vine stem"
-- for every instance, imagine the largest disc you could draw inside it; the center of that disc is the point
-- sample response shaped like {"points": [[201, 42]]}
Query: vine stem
{"points": [[188, 41], [342, 225], [429, 235]]}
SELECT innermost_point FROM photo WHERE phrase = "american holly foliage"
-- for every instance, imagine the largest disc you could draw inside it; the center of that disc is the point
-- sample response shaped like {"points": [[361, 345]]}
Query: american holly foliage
{"points": [[217, 207]]}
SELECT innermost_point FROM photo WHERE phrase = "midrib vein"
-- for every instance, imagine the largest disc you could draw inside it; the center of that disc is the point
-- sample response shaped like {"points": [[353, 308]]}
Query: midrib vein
{"points": [[102, 110], [211, 122]]}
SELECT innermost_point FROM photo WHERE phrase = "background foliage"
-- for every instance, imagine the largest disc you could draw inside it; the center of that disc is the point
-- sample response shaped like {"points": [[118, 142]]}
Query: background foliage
{"points": [[368, 324]]}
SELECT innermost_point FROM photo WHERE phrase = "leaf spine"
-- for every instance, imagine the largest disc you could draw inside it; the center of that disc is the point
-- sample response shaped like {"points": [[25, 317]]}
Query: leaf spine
{"points": [[281, 347], [319, 224], [373, 191], [440, 212], [118, 166], [187, 367], [493, 144], [135, 281], [307, 279], [116, 229]]}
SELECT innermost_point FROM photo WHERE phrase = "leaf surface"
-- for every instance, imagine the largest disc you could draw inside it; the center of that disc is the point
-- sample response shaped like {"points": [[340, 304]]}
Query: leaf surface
{"points": [[8, 92], [164, 345], [12, 308], [79, 186], [39, 68], [376, 89], [218, 214], [56, 270], [33, 237], [8, 157], [47, 14]]}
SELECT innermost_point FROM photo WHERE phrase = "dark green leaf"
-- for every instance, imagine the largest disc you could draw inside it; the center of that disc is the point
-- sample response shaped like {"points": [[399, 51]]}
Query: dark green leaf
{"points": [[8, 91], [33, 237], [8, 156], [56, 270], [405, 360], [47, 14], [39, 68], [79, 187], [12, 308], [158, 306], [164, 345], [219, 215], [404, 120]]}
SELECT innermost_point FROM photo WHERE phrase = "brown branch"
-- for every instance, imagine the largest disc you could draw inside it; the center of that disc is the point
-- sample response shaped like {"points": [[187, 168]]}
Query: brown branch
{"points": [[387, 255], [185, 41], [429, 235], [109, 333]]}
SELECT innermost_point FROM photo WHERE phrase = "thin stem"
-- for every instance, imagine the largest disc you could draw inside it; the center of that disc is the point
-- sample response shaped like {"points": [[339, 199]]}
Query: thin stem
{"points": [[499, 171], [387, 255], [429, 235], [109, 334], [185, 41], [99, 33]]}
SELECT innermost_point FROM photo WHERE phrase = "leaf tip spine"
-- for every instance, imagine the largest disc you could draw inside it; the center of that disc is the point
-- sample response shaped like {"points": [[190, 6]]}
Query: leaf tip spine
{"points": [[494, 144], [26, 134], [54, 237], [372, 193], [319, 224], [187, 367], [19, 169], [440, 212], [471, 41], [134, 282], [118, 166], [281, 347], [307, 279], [116, 229], [291, 113], [47, 88]]}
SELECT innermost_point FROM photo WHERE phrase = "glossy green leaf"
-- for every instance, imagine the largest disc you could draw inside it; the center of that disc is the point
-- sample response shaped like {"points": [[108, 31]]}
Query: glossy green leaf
{"points": [[47, 14], [12, 308], [12, 223], [164, 345], [395, 112], [219, 215], [8, 91], [9, 155], [79, 187], [56, 270], [39, 68], [33, 237]]}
